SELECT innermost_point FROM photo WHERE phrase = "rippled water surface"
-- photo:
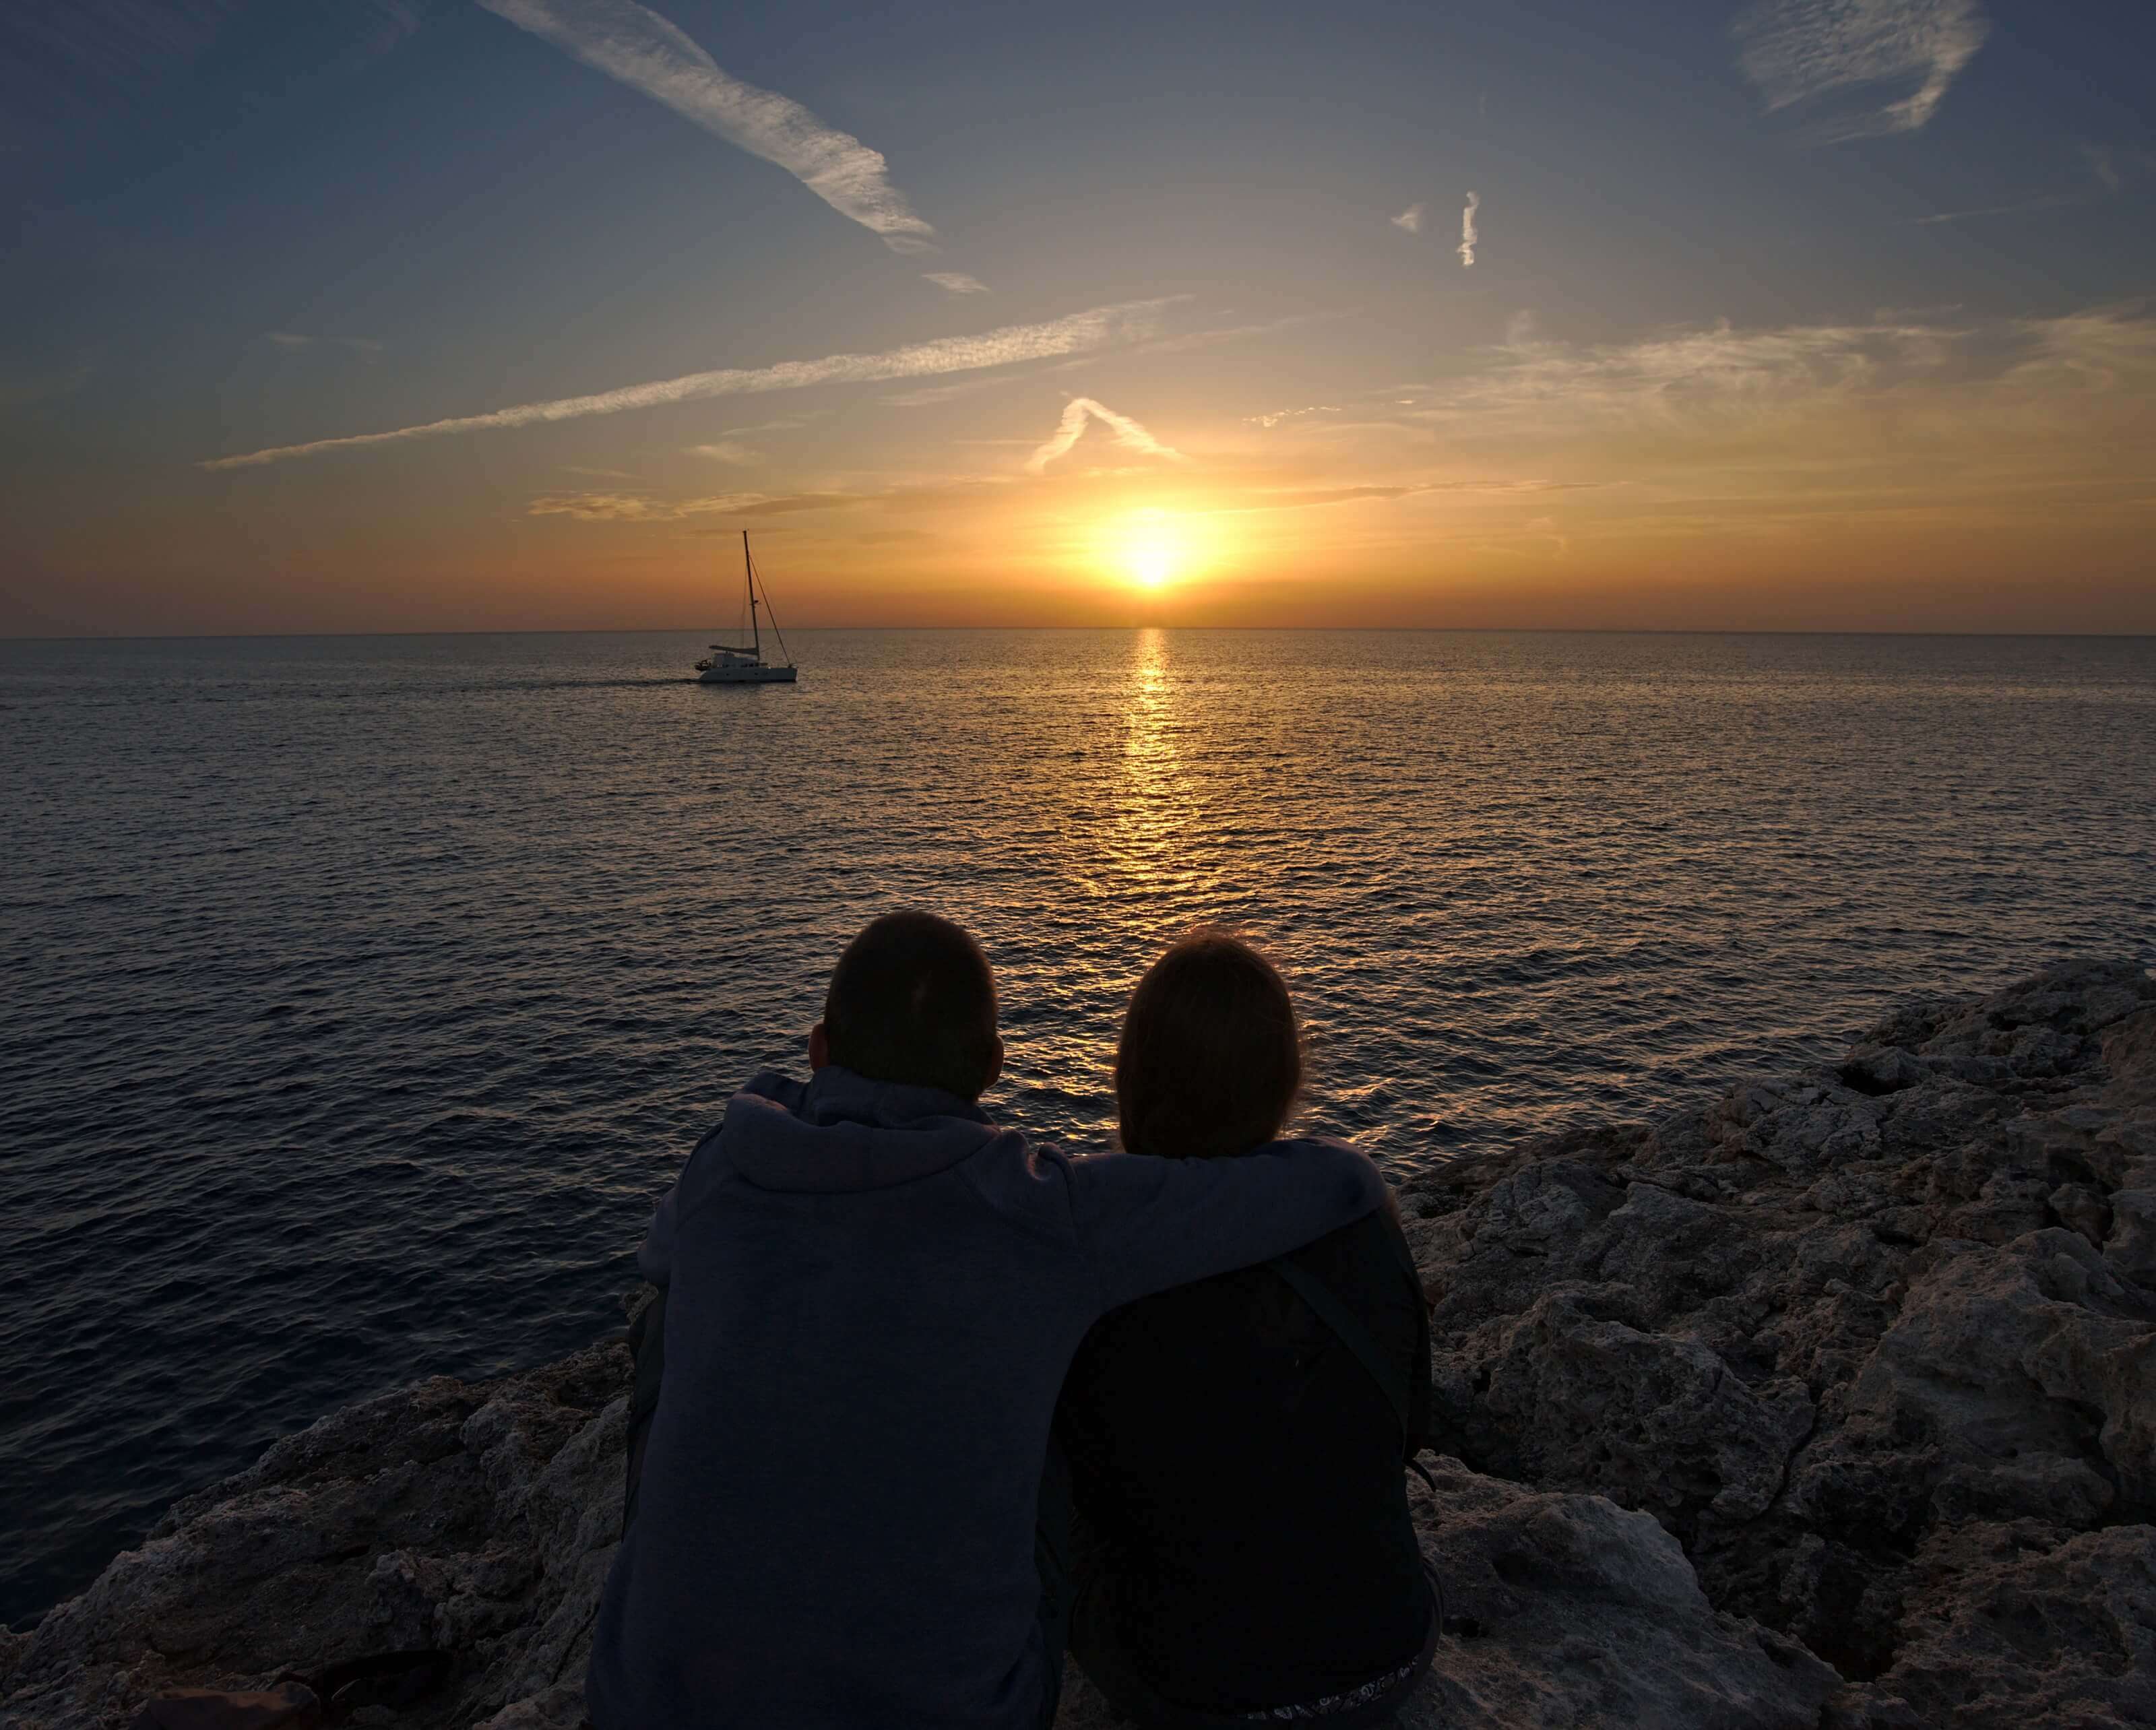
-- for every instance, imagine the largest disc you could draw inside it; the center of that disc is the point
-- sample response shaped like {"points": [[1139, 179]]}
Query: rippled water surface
{"points": [[363, 992]]}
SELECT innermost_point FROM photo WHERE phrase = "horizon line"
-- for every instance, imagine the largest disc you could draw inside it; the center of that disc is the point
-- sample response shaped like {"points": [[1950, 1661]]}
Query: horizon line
{"points": [[1463, 630]]}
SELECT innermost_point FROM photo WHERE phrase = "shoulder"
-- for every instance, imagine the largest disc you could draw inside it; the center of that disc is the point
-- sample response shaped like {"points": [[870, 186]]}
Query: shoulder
{"points": [[1359, 1260], [1215, 1316], [1305, 1147], [773, 1087], [1016, 1174], [765, 1091], [1318, 1150]]}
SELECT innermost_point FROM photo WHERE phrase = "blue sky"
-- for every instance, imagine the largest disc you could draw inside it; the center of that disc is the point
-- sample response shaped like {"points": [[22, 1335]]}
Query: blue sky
{"points": [[1799, 229]]}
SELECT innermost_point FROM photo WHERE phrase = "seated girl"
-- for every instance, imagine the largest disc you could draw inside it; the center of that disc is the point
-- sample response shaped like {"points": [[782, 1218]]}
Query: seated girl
{"points": [[1236, 1446]]}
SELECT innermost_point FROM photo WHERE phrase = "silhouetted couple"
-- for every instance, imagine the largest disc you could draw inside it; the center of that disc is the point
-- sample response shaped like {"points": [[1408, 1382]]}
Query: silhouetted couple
{"points": [[852, 1488]]}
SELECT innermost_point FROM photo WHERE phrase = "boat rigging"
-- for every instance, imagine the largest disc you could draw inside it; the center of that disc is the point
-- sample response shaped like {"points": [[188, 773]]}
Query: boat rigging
{"points": [[729, 664]]}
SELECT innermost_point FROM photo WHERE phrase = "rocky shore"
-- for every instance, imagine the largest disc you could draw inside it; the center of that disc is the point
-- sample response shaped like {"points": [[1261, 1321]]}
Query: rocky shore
{"points": [[1830, 1403]]}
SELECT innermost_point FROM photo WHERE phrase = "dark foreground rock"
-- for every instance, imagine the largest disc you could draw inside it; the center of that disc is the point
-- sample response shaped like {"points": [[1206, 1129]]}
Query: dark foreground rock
{"points": [[1877, 1345], [474, 1518], [1831, 1404]]}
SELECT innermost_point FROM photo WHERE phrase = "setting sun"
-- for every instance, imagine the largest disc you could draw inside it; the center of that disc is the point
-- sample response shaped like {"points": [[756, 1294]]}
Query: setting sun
{"points": [[1150, 548]]}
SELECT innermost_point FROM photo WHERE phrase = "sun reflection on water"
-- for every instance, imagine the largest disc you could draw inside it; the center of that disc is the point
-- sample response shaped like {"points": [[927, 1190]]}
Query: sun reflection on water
{"points": [[1151, 843]]}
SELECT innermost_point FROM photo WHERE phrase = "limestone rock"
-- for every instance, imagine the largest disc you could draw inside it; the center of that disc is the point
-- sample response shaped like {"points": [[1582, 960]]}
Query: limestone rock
{"points": [[561, 1708], [477, 1520], [1568, 1611], [1832, 1402], [2016, 1627], [2130, 1247], [1839, 1331]]}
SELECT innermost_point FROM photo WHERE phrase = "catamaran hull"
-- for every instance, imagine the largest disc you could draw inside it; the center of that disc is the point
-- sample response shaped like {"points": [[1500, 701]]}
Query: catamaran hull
{"points": [[746, 675]]}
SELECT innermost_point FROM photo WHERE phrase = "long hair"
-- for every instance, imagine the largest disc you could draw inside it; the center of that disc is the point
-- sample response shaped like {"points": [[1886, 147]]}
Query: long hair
{"points": [[1210, 1059]]}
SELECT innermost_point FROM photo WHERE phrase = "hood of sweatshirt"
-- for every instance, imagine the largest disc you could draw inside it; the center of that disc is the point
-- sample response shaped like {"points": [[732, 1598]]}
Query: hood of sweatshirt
{"points": [[844, 1133]]}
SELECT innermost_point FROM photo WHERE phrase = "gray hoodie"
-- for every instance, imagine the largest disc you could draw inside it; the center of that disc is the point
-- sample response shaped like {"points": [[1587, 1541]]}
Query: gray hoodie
{"points": [[873, 1295]]}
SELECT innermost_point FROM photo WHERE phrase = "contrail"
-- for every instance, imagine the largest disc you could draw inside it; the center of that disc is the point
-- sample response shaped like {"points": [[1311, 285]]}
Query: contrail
{"points": [[1467, 232], [1075, 413], [1130, 321], [652, 54], [1410, 219]]}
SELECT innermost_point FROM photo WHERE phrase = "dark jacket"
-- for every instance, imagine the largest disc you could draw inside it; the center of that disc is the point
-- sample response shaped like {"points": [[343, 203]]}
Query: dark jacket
{"points": [[1237, 1475], [873, 1294]]}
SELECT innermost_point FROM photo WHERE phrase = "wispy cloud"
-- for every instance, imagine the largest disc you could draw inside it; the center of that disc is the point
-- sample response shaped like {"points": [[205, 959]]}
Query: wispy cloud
{"points": [[1305, 498], [726, 450], [2110, 349], [1228, 333], [1190, 340], [957, 281], [650, 53], [972, 492], [1410, 219], [1467, 232], [2103, 163], [1715, 390], [2114, 166], [1256, 499], [1701, 377], [1797, 50], [1077, 413], [636, 507], [1546, 526], [2050, 201], [1275, 417], [1079, 331]]}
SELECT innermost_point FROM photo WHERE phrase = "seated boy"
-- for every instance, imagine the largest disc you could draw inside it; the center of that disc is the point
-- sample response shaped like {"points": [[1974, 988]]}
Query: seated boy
{"points": [[872, 1296]]}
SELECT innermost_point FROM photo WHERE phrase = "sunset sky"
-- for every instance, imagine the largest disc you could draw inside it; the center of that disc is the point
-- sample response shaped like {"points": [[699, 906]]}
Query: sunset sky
{"points": [[408, 314]]}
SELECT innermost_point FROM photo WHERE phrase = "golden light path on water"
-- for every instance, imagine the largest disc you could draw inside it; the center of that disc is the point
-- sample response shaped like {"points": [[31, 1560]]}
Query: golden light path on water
{"points": [[1152, 808]]}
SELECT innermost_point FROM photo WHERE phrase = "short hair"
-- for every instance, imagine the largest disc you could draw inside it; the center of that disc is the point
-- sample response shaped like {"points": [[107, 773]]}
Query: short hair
{"points": [[1210, 1061], [912, 1001]]}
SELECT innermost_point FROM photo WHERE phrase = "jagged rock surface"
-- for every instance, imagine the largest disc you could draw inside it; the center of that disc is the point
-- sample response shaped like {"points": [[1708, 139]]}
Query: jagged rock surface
{"points": [[1833, 1402], [1877, 1346], [477, 1519], [1571, 1611]]}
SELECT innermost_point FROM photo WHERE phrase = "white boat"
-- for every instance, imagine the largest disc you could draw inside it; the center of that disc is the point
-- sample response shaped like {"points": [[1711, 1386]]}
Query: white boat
{"points": [[728, 664]]}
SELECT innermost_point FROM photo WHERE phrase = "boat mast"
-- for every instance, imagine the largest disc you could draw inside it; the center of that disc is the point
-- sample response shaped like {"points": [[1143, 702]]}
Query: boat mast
{"points": [[748, 573]]}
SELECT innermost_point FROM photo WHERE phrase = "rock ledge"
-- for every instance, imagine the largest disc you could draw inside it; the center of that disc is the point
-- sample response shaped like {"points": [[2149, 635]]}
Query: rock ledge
{"points": [[1832, 1403]]}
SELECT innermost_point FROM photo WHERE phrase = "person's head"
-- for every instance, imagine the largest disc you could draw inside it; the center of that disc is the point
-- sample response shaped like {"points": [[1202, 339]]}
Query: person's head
{"points": [[912, 1001], [1210, 1059]]}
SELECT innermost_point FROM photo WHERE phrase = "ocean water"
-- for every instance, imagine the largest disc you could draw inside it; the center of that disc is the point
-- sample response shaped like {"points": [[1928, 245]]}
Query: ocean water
{"points": [[362, 993]]}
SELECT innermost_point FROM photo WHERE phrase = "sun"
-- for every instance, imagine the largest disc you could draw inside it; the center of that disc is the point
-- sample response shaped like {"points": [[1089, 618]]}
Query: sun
{"points": [[1151, 563], [1151, 548]]}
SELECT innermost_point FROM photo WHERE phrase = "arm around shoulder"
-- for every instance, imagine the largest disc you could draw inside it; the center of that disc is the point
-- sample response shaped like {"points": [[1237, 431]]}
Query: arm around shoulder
{"points": [[1147, 1224]]}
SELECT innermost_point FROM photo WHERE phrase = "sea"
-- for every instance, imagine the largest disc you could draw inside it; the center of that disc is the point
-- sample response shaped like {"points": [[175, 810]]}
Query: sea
{"points": [[363, 992]]}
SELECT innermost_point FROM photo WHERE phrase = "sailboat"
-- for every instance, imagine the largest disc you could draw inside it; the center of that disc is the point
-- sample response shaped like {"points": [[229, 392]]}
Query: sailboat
{"points": [[728, 664]]}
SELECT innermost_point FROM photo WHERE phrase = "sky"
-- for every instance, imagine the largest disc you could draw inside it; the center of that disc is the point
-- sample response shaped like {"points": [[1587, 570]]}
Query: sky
{"points": [[446, 314]]}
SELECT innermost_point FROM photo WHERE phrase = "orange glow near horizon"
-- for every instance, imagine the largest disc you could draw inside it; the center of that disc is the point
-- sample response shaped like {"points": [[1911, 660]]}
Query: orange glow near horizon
{"points": [[1705, 482]]}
